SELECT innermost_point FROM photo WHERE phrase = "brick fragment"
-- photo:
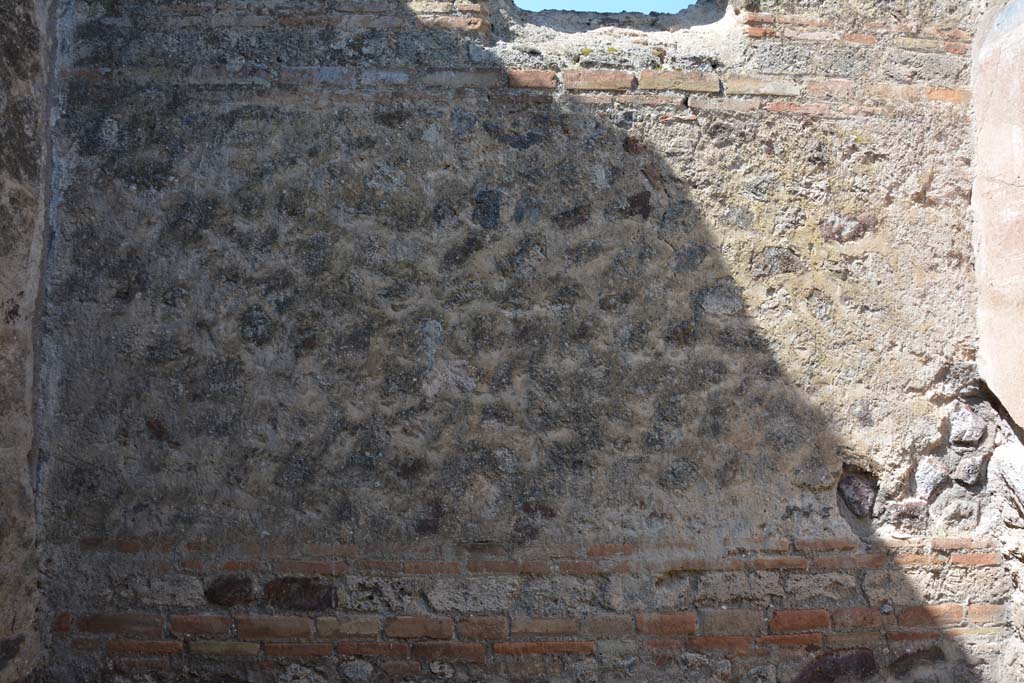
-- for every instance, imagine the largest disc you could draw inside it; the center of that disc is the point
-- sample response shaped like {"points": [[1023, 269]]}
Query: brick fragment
{"points": [[724, 104], [437, 628], [463, 79], [686, 81], [331, 628], [258, 627], [951, 95], [932, 615], [740, 645], [794, 621], [912, 636], [457, 652], [679, 624], [759, 563], [223, 648], [598, 79], [62, 622], [456, 23], [200, 625], [850, 562], [483, 628], [579, 568], [976, 559], [825, 545], [123, 623], [534, 79], [982, 613], [545, 648], [761, 85], [948, 543]]}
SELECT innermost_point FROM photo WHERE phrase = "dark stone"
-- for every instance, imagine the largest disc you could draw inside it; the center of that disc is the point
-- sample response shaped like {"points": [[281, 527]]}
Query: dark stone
{"points": [[299, 593], [229, 590], [487, 208], [9, 649], [910, 661], [775, 261], [256, 326], [858, 492], [573, 218], [830, 668]]}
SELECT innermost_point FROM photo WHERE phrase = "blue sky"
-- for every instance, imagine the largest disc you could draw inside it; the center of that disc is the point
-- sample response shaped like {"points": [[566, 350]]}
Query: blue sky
{"points": [[645, 6]]}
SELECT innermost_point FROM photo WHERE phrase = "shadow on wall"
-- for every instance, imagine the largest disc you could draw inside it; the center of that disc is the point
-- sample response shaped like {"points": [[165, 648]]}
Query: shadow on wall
{"points": [[461, 317]]}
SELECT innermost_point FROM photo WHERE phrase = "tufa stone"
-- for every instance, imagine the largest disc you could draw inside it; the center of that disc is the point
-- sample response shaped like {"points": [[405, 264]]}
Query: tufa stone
{"points": [[299, 593], [968, 471], [965, 427], [931, 473], [229, 590], [858, 492]]}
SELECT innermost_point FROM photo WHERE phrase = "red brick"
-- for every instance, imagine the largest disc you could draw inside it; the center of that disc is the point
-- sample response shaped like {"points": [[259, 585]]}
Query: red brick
{"points": [[372, 649], [536, 79], [792, 621], [859, 618], [904, 636], [437, 628], [853, 640], [829, 87], [947, 543], [145, 647], [545, 648], [535, 568], [388, 566], [240, 566], [681, 624], [598, 79], [578, 567], [736, 644], [275, 627], [813, 640], [699, 565], [458, 652], [731, 622], [919, 560], [976, 559], [493, 567], [200, 625], [986, 614], [483, 628], [662, 644], [123, 623], [798, 563], [223, 648], [433, 568], [607, 625], [611, 550], [298, 649], [330, 628], [62, 622], [544, 626], [759, 32], [932, 615]]}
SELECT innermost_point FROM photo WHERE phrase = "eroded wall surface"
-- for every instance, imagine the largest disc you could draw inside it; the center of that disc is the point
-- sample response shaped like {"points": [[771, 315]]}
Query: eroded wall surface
{"points": [[396, 341], [22, 147]]}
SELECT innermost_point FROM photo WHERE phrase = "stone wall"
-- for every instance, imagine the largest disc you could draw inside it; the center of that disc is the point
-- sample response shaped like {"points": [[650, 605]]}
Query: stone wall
{"points": [[398, 341], [22, 178]]}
